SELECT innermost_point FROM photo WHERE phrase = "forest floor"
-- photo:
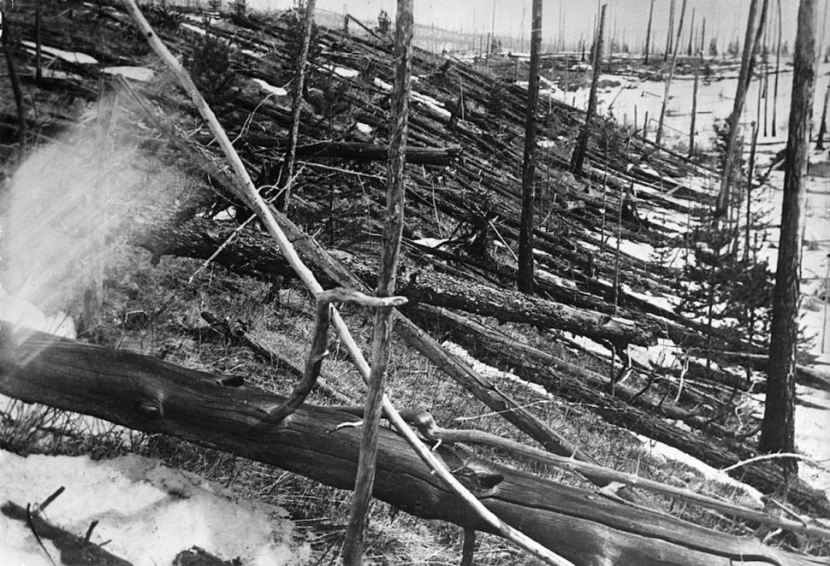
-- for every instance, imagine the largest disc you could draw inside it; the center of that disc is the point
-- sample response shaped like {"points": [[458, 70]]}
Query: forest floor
{"points": [[111, 186]]}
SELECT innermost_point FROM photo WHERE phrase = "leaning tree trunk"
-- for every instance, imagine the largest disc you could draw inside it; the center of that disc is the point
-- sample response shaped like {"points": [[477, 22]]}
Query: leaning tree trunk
{"points": [[778, 427], [382, 339], [578, 156], [737, 109], [671, 75], [529, 166]]}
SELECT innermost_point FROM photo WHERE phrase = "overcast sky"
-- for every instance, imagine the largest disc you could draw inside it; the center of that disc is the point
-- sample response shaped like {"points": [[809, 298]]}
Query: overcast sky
{"points": [[726, 18]]}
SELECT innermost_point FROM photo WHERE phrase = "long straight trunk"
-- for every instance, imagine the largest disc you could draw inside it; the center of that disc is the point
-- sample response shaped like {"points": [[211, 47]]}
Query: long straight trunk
{"points": [[744, 77], [669, 33], [694, 109], [578, 156], [671, 74], [387, 278], [14, 79], [296, 104], [648, 31], [777, 73], [778, 427], [529, 166], [823, 127], [749, 175], [690, 48]]}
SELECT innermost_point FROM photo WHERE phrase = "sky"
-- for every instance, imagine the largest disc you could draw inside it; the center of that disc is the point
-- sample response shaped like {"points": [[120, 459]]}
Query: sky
{"points": [[726, 18]]}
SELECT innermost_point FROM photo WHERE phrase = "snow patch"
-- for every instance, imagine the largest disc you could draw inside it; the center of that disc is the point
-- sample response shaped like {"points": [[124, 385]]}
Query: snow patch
{"points": [[343, 72], [68, 56], [141, 74], [269, 88], [147, 511]]}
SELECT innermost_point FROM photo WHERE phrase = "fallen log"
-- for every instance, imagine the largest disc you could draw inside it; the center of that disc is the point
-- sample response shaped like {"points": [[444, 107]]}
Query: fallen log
{"points": [[222, 412], [372, 152], [441, 289], [717, 452], [73, 550]]}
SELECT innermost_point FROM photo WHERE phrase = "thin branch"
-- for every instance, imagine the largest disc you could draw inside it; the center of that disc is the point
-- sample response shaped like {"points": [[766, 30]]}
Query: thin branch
{"points": [[319, 344]]}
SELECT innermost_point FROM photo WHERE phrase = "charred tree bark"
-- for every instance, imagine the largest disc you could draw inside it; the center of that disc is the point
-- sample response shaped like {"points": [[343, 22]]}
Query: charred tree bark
{"points": [[778, 429], [529, 165], [581, 147], [223, 412]]}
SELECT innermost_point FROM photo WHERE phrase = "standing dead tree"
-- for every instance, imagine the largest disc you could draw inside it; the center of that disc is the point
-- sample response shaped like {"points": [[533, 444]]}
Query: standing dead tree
{"points": [[648, 31], [529, 165], [750, 45], [659, 134], [778, 427], [392, 233], [14, 79], [296, 102], [581, 148]]}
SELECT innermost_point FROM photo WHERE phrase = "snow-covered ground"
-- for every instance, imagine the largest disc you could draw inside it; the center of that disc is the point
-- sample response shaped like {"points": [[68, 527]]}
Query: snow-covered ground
{"points": [[715, 99], [147, 512]]}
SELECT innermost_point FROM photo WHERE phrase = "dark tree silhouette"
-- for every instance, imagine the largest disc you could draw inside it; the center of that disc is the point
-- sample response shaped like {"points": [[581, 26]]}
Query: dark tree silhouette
{"points": [[778, 427]]}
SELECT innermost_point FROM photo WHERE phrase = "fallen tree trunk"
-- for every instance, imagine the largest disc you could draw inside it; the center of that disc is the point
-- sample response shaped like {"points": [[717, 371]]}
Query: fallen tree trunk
{"points": [[372, 152], [441, 289], [719, 453], [221, 412]]}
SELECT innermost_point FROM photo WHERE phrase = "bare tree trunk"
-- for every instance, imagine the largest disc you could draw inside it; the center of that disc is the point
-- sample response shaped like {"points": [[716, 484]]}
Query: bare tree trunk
{"points": [[694, 108], [529, 167], [671, 74], [823, 127], [296, 105], [744, 77], [382, 339], [648, 31], [38, 43], [690, 48], [14, 79], [777, 73], [778, 427], [578, 156], [749, 175], [670, 32]]}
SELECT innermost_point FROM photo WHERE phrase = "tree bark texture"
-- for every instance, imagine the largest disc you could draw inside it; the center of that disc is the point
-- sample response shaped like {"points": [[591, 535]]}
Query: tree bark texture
{"points": [[529, 164], [778, 429], [389, 257], [222, 412]]}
